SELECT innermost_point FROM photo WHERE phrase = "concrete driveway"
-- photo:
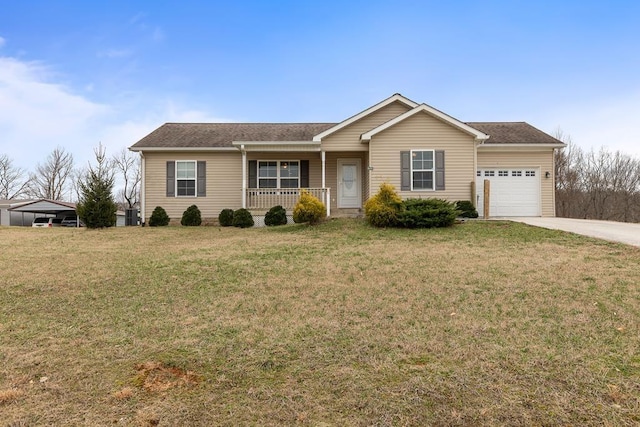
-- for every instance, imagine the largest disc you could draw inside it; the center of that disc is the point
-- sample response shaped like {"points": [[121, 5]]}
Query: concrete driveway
{"points": [[622, 232]]}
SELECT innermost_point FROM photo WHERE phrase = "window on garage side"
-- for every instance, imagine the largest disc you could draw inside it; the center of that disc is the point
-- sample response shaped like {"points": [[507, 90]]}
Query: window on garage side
{"points": [[422, 170]]}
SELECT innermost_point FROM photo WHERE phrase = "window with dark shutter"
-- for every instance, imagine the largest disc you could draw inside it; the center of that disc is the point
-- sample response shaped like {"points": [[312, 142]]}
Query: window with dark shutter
{"points": [[422, 170]]}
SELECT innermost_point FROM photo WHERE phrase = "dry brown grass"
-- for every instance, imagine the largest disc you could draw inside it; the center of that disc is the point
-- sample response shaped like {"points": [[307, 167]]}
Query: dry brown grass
{"points": [[482, 324]]}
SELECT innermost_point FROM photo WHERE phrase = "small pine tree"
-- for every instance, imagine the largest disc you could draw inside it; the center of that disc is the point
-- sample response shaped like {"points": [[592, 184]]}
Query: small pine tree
{"points": [[96, 207], [191, 217], [159, 217]]}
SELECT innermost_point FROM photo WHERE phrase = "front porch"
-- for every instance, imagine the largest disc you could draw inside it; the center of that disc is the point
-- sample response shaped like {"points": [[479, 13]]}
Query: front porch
{"points": [[263, 199], [276, 173]]}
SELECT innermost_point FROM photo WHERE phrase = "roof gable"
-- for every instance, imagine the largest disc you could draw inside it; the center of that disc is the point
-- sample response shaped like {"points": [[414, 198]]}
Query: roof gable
{"points": [[393, 98], [424, 108]]}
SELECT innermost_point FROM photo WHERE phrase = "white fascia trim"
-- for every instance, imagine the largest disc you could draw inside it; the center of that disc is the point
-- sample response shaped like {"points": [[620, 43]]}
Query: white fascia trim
{"points": [[379, 105], [479, 136], [289, 146], [519, 146], [260, 143], [142, 149]]}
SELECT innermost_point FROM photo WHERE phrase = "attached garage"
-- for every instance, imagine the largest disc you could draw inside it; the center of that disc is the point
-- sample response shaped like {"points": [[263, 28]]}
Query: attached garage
{"points": [[513, 191]]}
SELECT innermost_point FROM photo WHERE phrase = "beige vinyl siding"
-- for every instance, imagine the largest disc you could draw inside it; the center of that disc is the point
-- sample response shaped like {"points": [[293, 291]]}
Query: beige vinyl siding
{"points": [[224, 184], [348, 138], [422, 131], [542, 158]]}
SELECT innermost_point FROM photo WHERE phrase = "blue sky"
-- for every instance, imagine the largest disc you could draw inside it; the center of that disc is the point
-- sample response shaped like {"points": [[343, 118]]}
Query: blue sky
{"points": [[77, 73]]}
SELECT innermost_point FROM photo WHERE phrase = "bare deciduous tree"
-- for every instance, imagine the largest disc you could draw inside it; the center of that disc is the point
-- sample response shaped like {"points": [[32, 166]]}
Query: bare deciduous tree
{"points": [[597, 185], [12, 181], [50, 179], [128, 165]]}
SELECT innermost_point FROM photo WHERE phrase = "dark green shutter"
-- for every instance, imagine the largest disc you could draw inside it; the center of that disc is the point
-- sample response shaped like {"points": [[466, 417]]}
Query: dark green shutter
{"points": [[405, 170], [202, 179], [171, 178], [304, 173], [253, 174], [439, 169]]}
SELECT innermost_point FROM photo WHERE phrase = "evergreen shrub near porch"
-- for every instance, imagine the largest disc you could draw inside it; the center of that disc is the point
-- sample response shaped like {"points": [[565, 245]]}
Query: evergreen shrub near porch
{"points": [[308, 209], [382, 209], [226, 217], [387, 209], [242, 218], [427, 213], [277, 215]]}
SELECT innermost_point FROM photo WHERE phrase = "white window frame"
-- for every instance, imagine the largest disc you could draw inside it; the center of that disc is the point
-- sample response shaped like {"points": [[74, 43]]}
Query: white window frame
{"points": [[194, 179], [278, 177], [432, 169]]}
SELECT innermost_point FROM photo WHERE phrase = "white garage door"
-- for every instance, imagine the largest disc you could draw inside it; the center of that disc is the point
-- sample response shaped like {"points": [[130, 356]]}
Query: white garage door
{"points": [[514, 191]]}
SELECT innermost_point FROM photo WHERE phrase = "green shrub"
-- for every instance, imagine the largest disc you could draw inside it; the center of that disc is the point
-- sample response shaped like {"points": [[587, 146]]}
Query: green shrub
{"points": [[226, 217], [158, 217], [308, 209], [242, 218], [191, 217], [427, 213], [382, 209], [277, 215], [466, 209]]}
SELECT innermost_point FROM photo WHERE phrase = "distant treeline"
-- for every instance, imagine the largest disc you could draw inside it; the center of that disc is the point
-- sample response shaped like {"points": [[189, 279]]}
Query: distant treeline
{"points": [[597, 185]]}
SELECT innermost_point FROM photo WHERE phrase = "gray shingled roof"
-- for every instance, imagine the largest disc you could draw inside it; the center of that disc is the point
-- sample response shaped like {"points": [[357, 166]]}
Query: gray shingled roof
{"points": [[207, 135], [215, 135], [513, 133]]}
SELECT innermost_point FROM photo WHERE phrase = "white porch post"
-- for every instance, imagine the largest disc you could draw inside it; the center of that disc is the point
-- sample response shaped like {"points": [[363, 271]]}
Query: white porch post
{"points": [[244, 177], [327, 198], [323, 157]]}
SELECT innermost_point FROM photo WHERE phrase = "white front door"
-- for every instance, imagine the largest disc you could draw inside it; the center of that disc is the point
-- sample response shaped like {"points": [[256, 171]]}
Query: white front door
{"points": [[349, 184]]}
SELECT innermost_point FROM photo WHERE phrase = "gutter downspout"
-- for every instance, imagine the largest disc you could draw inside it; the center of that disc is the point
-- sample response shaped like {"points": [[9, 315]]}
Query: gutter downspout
{"points": [[143, 203]]}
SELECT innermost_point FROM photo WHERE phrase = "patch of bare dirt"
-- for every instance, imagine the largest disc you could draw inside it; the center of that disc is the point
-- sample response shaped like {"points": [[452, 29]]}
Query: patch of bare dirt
{"points": [[156, 377]]}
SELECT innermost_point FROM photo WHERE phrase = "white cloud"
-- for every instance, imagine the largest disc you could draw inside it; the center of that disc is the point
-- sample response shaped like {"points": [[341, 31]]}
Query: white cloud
{"points": [[3, 41], [38, 115]]}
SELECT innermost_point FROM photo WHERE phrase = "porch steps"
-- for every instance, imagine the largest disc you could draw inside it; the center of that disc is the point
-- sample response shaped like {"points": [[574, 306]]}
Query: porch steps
{"points": [[347, 213]]}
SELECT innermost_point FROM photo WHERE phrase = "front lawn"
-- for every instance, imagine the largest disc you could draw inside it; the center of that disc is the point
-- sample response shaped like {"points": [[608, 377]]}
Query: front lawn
{"points": [[485, 323]]}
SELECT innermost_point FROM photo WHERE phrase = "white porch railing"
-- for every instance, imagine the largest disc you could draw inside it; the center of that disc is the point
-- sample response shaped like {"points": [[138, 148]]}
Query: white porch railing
{"points": [[266, 198]]}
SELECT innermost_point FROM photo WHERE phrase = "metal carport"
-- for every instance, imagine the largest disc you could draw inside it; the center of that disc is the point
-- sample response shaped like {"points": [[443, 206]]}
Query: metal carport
{"points": [[46, 207]]}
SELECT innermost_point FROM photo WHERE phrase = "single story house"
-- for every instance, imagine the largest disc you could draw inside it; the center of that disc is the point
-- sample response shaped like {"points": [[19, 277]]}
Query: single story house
{"points": [[420, 150]]}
